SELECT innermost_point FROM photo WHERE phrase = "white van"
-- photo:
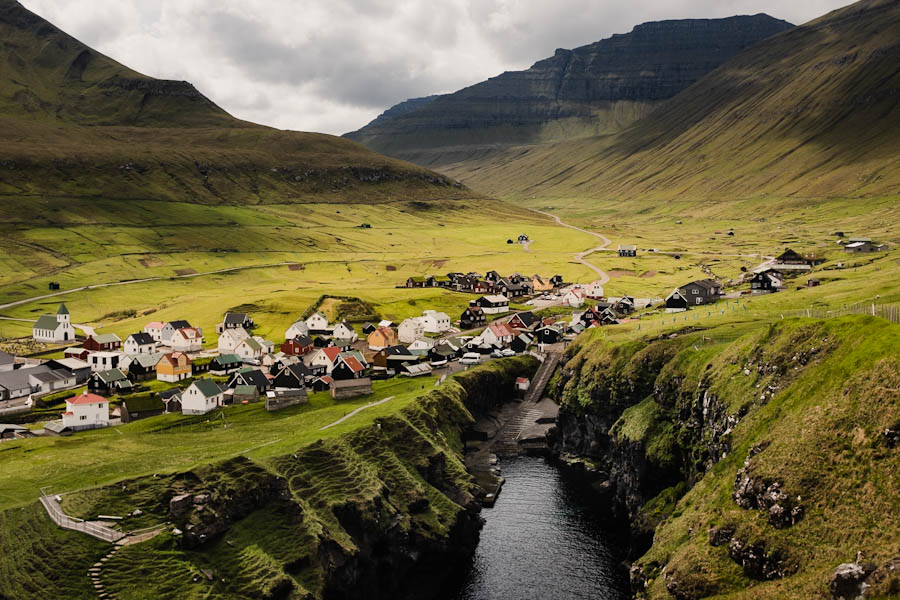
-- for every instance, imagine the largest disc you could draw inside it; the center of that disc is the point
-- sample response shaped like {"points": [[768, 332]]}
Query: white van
{"points": [[470, 358]]}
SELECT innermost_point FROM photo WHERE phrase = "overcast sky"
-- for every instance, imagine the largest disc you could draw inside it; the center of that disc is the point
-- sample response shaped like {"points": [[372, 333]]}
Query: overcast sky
{"points": [[334, 65]]}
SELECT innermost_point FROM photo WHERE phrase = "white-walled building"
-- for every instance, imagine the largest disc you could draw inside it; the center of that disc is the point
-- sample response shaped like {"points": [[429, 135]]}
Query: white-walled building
{"points": [[140, 343], [202, 396], [186, 339], [594, 290], [343, 331], [297, 328], [574, 298], [154, 329], [317, 322], [104, 361], [421, 344], [435, 322], [51, 328], [248, 349], [410, 330], [230, 339], [86, 411]]}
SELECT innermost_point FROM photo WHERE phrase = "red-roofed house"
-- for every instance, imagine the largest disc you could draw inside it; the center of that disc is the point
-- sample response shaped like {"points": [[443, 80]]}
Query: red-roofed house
{"points": [[325, 357], [86, 411], [498, 334], [347, 367], [186, 339]]}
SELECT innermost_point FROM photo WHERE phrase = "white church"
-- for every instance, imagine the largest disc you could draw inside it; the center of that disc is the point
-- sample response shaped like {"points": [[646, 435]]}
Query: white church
{"points": [[57, 328]]}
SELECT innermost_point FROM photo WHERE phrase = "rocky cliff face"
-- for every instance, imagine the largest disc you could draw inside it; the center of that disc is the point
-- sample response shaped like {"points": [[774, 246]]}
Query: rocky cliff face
{"points": [[735, 461], [598, 88]]}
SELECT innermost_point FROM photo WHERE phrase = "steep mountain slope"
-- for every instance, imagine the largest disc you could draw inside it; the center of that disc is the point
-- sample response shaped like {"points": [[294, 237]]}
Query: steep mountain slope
{"points": [[814, 111], [76, 123], [594, 89]]}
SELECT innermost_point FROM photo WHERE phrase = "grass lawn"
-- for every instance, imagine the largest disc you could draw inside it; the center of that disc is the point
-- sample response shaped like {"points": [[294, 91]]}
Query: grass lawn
{"points": [[175, 442]]}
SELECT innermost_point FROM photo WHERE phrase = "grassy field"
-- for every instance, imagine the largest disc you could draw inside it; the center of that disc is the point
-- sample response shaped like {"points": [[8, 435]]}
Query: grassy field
{"points": [[176, 442]]}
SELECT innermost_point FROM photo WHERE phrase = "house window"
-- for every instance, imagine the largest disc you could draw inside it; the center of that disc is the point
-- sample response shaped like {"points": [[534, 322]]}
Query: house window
{"points": [[82, 418]]}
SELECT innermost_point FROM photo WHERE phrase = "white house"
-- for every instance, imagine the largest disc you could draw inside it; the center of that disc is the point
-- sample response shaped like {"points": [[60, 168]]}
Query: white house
{"points": [[186, 339], [297, 328], [498, 334], [317, 322], [140, 343], [248, 349], [231, 339], [410, 330], [324, 357], [594, 290], [154, 329], [493, 304], [49, 381], [574, 298], [86, 411], [267, 346], [104, 361], [421, 344], [435, 322], [169, 329], [51, 328], [343, 331], [202, 396]]}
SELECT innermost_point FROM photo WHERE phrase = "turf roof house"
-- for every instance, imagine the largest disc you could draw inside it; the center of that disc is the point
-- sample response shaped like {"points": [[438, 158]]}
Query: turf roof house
{"points": [[106, 342], [702, 291], [235, 320], [420, 282], [141, 407], [58, 328], [492, 305], [139, 343], [202, 396]]}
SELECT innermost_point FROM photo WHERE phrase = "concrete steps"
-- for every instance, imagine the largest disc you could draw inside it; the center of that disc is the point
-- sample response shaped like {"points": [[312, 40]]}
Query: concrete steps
{"points": [[96, 570]]}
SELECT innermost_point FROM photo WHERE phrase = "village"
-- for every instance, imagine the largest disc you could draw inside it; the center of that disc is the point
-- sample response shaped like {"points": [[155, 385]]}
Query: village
{"points": [[169, 367]]}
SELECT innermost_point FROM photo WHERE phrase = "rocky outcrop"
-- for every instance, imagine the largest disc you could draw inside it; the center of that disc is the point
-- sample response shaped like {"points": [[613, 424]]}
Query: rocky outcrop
{"points": [[598, 88]]}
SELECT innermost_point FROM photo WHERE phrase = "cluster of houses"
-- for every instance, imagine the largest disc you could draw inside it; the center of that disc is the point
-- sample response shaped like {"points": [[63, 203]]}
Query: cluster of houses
{"points": [[513, 286]]}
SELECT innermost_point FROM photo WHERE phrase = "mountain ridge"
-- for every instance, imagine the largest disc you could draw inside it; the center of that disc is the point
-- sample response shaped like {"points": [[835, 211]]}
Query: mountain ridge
{"points": [[597, 88]]}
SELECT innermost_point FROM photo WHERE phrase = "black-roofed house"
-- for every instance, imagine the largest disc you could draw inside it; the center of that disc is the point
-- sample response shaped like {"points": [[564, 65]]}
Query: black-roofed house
{"points": [[521, 343], [112, 381], [702, 291], [235, 320], [676, 302], [769, 280], [472, 318], [172, 399], [549, 334], [139, 343], [293, 376], [142, 367], [368, 328], [250, 376]]}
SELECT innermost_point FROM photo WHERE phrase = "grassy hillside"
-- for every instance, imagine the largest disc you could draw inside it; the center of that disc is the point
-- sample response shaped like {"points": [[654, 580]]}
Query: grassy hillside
{"points": [[370, 506], [75, 123], [673, 422], [811, 112]]}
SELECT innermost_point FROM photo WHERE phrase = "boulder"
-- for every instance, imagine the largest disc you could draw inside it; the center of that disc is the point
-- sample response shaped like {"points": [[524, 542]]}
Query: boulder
{"points": [[848, 582], [180, 504]]}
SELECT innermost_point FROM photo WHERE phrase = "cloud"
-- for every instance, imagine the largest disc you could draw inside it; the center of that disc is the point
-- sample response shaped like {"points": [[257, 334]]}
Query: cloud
{"points": [[334, 65]]}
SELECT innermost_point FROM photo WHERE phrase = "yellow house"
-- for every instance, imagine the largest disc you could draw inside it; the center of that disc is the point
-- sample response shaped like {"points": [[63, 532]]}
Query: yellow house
{"points": [[174, 366], [541, 285], [382, 338]]}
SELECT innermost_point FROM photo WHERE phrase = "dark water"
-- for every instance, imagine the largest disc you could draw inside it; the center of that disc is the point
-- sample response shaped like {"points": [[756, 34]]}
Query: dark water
{"points": [[544, 540]]}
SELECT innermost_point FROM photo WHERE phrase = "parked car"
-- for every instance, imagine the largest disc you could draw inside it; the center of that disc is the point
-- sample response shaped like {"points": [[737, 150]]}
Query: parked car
{"points": [[439, 364], [497, 354], [470, 358], [508, 352]]}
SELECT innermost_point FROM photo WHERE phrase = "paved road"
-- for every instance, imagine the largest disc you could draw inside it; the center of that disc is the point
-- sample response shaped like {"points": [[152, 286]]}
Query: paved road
{"points": [[580, 257]]}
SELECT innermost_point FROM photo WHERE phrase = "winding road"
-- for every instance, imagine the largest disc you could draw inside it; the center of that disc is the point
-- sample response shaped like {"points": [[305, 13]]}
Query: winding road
{"points": [[580, 257]]}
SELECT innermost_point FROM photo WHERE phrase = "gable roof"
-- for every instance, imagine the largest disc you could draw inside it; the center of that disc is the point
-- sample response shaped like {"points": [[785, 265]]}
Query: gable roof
{"points": [[352, 363], [148, 361], [235, 318], [501, 330], [189, 333], [172, 358], [527, 317], [227, 359], [107, 338], [86, 398], [111, 376], [245, 390], [331, 352], [47, 322], [298, 370], [207, 387], [629, 247], [496, 299], [154, 325], [253, 344], [142, 339], [179, 324]]}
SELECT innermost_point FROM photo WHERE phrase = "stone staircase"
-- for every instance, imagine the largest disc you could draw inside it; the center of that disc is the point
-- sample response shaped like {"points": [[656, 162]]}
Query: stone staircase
{"points": [[95, 571], [506, 443], [542, 378]]}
